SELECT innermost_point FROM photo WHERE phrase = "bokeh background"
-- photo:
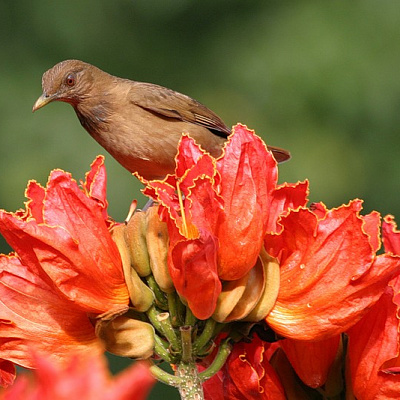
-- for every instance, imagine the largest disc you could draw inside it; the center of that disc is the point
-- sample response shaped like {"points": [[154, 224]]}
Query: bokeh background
{"points": [[318, 78]]}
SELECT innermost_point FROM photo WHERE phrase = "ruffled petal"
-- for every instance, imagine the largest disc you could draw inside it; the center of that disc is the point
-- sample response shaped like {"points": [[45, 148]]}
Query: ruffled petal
{"points": [[330, 275], [34, 315]]}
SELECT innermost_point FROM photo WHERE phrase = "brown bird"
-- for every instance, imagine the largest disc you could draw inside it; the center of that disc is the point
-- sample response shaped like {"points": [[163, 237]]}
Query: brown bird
{"points": [[138, 123]]}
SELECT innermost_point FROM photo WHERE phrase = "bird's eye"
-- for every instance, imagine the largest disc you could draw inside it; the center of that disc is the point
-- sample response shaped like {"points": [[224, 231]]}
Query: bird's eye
{"points": [[70, 80]]}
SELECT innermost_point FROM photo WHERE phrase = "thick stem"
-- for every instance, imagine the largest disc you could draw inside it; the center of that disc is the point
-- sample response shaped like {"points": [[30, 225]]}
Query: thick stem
{"points": [[186, 339], [190, 387], [186, 379]]}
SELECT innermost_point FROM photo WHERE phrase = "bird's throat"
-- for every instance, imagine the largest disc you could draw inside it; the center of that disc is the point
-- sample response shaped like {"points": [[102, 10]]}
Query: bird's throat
{"points": [[94, 119]]}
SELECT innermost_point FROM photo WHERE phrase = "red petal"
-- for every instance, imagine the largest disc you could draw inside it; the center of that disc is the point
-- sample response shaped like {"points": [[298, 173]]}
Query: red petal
{"points": [[372, 223], [7, 373], [248, 176], [164, 193], [319, 209], [193, 269], [248, 373], [34, 315], [391, 236], [203, 173], [134, 382], [76, 251], [86, 274], [373, 341], [214, 388], [189, 153], [311, 360], [84, 377], [329, 274], [96, 183], [286, 197], [203, 205], [34, 206]]}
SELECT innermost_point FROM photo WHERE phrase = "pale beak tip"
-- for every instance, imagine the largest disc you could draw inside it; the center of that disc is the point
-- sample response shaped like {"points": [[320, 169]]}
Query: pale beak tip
{"points": [[41, 102]]}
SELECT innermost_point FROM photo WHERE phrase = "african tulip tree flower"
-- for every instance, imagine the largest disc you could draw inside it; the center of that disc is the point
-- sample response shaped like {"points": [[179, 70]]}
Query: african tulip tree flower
{"points": [[373, 350], [34, 315], [83, 377], [374, 342], [312, 342], [66, 269], [218, 212], [63, 235], [330, 274], [247, 374]]}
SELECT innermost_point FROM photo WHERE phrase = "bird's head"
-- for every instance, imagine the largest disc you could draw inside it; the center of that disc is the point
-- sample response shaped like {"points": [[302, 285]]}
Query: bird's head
{"points": [[69, 81]]}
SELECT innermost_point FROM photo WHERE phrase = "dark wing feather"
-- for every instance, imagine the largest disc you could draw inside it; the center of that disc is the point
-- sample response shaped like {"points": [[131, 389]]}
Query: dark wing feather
{"points": [[171, 104]]}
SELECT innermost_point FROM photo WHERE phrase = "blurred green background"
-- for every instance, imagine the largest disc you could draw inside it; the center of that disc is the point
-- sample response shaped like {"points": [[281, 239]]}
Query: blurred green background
{"points": [[318, 78]]}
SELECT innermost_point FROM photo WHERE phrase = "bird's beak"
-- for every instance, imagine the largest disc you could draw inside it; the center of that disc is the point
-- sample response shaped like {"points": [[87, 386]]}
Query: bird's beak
{"points": [[42, 101]]}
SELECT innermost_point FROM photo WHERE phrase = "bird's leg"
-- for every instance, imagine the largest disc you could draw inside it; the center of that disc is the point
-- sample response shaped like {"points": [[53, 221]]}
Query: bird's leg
{"points": [[149, 204]]}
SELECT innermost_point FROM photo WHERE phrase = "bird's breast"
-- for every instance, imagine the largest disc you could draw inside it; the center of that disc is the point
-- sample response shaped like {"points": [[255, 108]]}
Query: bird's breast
{"points": [[143, 141]]}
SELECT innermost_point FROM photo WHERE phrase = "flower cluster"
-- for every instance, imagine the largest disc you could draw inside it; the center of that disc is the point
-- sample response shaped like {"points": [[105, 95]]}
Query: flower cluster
{"points": [[66, 269], [230, 277]]}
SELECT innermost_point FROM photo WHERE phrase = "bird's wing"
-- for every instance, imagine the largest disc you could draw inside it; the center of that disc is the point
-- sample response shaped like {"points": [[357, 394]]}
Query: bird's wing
{"points": [[171, 104]]}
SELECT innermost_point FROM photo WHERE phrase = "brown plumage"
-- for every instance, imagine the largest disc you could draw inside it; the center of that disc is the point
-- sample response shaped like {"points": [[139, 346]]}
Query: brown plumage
{"points": [[139, 124]]}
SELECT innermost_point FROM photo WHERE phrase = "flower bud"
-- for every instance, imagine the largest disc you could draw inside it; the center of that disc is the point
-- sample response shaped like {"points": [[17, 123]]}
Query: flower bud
{"points": [[127, 337], [135, 236], [271, 288], [252, 297], [240, 296], [141, 296], [157, 246]]}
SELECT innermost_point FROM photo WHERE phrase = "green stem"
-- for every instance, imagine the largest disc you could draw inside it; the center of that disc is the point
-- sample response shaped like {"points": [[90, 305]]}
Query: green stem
{"points": [[169, 331], [173, 309], [158, 293], [205, 336], [181, 309], [153, 317], [161, 349], [186, 338], [219, 360], [165, 377], [190, 319]]}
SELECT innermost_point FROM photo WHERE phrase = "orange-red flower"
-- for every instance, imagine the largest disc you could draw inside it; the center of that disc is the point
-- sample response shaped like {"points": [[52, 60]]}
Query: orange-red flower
{"points": [[312, 360], [66, 268], [374, 341], [33, 315], [373, 350], [247, 374], [330, 275], [83, 377], [218, 212]]}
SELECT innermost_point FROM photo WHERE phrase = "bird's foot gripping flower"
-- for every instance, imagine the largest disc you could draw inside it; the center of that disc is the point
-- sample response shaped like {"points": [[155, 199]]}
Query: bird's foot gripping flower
{"points": [[229, 276]]}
